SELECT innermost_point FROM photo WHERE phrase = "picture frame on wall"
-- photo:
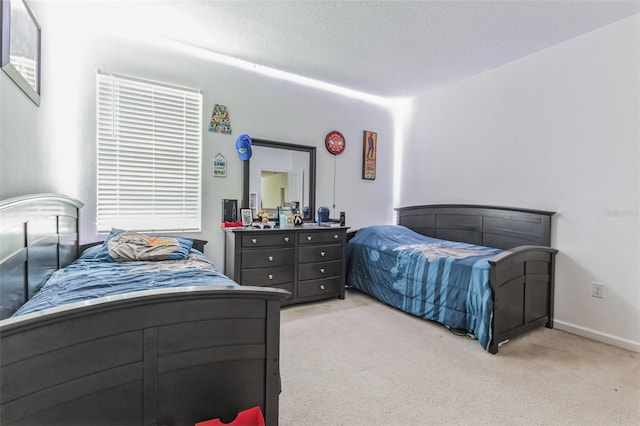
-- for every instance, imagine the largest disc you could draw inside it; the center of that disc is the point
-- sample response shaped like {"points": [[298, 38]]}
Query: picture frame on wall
{"points": [[219, 166], [20, 46], [369, 154], [247, 217]]}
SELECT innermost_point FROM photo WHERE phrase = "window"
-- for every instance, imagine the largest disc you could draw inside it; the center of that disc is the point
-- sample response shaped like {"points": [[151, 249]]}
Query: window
{"points": [[149, 155]]}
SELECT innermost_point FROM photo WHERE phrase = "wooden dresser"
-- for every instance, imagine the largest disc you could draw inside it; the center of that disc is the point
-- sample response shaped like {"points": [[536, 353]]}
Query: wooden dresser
{"points": [[308, 261]]}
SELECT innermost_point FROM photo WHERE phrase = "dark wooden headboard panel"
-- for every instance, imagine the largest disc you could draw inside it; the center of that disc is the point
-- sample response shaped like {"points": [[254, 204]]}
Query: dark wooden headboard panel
{"points": [[40, 231], [499, 227]]}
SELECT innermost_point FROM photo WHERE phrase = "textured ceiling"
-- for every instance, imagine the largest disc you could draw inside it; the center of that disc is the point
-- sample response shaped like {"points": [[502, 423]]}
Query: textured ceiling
{"points": [[385, 48]]}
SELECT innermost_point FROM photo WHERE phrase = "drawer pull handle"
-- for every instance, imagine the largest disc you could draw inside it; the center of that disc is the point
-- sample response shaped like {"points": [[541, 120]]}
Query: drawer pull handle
{"points": [[322, 270], [335, 237], [270, 276], [286, 239], [270, 258], [309, 238], [321, 286], [254, 240], [322, 253]]}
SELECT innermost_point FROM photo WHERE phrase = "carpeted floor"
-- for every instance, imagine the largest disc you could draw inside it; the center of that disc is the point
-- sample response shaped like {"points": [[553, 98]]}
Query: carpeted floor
{"points": [[359, 362]]}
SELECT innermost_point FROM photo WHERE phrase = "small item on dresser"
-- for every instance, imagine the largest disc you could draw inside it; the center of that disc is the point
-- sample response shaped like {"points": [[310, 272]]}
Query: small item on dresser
{"points": [[229, 210], [323, 214], [297, 219], [343, 219], [330, 224], [263, 215], [231, 225], [286, 218], [247, 217], [264, 225]]}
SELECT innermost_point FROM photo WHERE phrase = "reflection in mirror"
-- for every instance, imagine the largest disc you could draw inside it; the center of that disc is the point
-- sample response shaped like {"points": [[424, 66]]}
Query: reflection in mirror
{"points": [[274, 190], [280, 175]]}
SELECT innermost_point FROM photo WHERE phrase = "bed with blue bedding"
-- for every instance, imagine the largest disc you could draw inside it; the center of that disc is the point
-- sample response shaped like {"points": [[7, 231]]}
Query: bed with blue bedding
{"points": [[134, 330], [95, 275], [439, 280], [486, 272]]}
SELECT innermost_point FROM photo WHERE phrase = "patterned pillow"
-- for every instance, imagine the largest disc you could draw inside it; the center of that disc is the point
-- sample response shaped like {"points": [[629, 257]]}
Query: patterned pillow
{"points": [[101, 253], [135, 246]]}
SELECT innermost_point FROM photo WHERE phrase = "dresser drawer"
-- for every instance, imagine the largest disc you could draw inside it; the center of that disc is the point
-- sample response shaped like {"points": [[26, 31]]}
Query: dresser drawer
{"points": [[259, 239], [311, 271], [313, 288], [313, 253], [267, 276], [266, 258], [320, 237]]}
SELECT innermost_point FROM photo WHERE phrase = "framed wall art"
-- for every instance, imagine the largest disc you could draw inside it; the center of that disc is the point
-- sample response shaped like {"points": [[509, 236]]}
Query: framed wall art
{"points": [[219, 166], [369, 149], [335, 142], [20, 46], [220, 122]]}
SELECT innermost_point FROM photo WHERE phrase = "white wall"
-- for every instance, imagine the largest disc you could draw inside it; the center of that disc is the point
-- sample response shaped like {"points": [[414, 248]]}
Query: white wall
{"points": [[52, 148], [557, 130]]}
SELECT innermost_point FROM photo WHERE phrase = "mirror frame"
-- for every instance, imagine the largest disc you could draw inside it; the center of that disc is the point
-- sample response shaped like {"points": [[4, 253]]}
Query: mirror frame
{"points": [[311, 150]]}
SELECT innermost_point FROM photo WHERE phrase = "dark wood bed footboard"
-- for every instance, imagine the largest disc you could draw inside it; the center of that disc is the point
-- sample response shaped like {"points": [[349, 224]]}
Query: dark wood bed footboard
{"points": [[522, 281], [168, 357], [175, 356]]}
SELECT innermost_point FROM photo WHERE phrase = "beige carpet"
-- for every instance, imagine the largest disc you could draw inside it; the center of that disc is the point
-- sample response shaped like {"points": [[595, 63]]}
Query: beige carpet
{"points": [[359, 362]]}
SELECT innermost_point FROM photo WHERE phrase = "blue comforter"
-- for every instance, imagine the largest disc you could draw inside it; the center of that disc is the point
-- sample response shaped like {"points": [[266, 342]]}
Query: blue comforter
{"points": [[92, 276], [435, 279]]}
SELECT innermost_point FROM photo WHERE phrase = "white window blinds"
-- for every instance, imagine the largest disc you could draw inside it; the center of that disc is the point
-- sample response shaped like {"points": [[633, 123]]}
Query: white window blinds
{"points": [[149, 155]]}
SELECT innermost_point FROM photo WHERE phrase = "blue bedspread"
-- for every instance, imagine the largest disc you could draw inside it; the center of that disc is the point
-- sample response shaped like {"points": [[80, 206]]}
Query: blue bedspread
{"points": [[435, 279], [91, 277]]}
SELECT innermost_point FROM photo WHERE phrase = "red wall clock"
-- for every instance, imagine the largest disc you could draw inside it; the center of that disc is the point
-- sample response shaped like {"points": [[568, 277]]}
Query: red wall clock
{"points": [[335, 142]]}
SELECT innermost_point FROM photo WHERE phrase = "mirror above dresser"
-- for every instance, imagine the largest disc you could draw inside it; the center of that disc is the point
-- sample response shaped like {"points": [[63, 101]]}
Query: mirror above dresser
{"points": [[280, 174]]}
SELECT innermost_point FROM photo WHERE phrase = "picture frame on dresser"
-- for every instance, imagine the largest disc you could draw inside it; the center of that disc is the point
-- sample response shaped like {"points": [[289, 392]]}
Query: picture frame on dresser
{"points": [[247, 217]]}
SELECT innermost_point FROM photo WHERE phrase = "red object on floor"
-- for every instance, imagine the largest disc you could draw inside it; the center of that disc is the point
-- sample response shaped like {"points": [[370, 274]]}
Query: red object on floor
{"points": [[250, 417]]}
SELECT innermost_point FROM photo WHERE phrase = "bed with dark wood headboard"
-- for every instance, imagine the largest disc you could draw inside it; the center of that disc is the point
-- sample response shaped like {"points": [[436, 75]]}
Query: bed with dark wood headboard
{"points": [[169, 356], [521, 277]]}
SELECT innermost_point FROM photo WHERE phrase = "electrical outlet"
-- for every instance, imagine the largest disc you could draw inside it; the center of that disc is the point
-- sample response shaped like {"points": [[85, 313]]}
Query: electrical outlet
{"points": [[597, 290]]}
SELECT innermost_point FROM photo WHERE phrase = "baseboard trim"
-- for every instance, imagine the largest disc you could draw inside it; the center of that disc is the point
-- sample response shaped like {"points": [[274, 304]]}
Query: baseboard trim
{"points": [[597, 335]]}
